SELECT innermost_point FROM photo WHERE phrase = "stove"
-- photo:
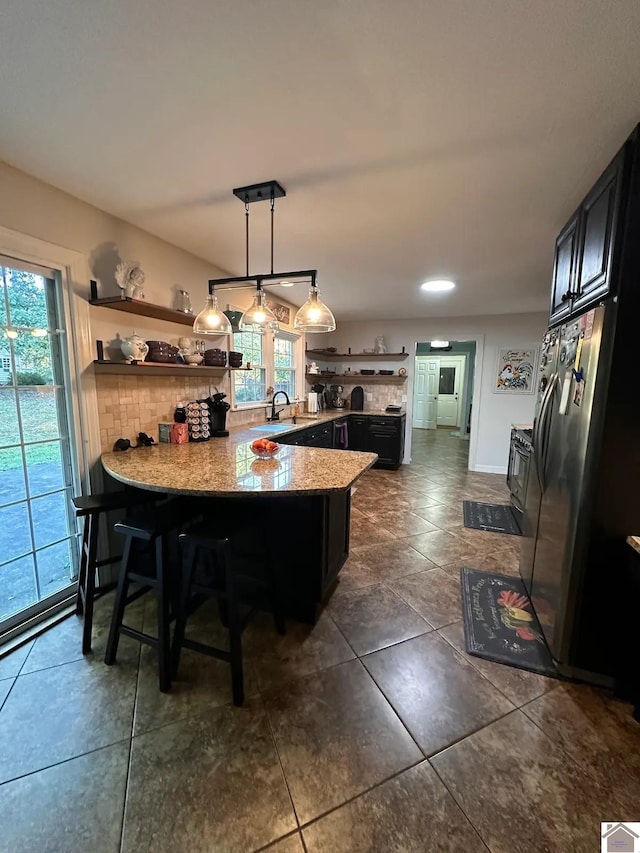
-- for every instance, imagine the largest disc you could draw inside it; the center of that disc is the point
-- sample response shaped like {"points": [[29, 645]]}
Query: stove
{"points": [[519, 466]]}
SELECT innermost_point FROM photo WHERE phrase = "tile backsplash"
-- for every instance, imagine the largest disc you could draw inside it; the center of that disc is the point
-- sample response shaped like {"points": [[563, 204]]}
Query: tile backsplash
{"points": [[128, 405]]}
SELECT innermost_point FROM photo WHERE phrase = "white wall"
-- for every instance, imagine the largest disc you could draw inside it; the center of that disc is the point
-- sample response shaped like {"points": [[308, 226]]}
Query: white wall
{"points": [[492, 414]]}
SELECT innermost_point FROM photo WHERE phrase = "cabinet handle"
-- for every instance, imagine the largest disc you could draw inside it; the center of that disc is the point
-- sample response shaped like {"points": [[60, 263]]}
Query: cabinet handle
{"points": [[568, 295]]}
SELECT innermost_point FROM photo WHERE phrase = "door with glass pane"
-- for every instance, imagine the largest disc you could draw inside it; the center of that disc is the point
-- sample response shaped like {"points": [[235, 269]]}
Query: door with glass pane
{"points": [[38, 535], [450, 380]]}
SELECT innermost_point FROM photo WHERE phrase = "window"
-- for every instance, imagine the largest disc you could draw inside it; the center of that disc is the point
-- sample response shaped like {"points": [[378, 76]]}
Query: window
{"points": [[284, 374], [6, 363], [250, 386], [273, 365]]}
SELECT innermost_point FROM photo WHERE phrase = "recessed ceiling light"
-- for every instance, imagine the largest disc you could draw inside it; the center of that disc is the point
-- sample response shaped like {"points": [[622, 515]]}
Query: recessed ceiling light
{"points": [[287, 283], [437, 285]]}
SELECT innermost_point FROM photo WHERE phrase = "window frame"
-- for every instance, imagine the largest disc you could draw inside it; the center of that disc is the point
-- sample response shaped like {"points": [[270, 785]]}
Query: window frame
{"points": [[268, 359]]}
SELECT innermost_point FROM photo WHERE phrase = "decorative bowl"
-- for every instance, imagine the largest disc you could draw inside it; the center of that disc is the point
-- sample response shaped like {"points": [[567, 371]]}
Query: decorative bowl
{"points": [[264, 454], [196, 358], [158, 344], [367, 372]]}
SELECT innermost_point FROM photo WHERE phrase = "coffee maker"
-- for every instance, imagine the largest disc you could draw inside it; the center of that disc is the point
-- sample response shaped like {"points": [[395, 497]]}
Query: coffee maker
{"points": [[218, 409], [334, 397]]}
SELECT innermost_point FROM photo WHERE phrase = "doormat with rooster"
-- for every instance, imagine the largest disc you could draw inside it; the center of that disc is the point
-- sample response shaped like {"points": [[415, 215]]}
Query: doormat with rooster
{"points": [[499, 622], [497, 518]]}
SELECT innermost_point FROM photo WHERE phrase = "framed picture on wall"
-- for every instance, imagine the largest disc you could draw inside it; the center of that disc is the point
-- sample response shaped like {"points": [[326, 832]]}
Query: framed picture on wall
{"points": [[282, 312], [516, 371]]}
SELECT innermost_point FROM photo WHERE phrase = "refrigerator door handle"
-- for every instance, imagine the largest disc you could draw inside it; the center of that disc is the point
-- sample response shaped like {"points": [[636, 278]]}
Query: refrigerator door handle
{"points": [[544, 422], [537, 449]]}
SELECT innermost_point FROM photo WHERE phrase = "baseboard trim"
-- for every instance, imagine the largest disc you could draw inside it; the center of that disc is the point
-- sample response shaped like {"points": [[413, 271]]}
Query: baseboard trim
{"points": [[490, 469]]}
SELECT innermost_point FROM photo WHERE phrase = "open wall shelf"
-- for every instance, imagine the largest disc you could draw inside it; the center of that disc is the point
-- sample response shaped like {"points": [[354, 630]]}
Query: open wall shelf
{"points": [[140, 307], [360, 356], [150, 368], [345, 378]]}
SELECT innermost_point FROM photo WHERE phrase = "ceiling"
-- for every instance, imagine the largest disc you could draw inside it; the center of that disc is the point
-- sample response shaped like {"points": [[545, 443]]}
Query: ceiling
{"points": [[415, 139]]}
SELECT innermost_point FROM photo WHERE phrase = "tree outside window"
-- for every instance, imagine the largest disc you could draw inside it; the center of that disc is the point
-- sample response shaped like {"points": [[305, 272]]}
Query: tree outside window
{"points": [[272, 359], [283, 366], [250, 386]]}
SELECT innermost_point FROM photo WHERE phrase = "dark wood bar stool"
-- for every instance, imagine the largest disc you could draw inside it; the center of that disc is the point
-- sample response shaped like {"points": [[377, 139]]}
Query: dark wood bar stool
{"points": [[91, 508], [145, 562], [219, 580]]}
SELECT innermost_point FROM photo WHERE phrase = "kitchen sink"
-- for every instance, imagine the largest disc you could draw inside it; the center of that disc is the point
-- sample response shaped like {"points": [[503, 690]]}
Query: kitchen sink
{"points": [[271, 427]]}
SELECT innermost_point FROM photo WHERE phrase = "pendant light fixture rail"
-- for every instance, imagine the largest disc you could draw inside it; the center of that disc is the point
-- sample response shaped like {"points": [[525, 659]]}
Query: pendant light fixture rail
{"points": [[313, 316]]}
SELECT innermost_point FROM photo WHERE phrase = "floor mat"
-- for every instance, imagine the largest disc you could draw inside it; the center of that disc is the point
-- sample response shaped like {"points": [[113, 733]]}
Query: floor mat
{"points": [[498, 518], [499, 622]]}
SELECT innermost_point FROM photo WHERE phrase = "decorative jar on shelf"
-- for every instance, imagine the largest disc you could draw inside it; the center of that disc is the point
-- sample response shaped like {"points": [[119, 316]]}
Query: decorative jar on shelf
{"points": [[134, 348]]}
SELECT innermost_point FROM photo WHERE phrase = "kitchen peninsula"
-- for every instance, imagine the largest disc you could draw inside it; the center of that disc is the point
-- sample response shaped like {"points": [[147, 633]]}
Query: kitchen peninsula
{"points": [[293, 508]]}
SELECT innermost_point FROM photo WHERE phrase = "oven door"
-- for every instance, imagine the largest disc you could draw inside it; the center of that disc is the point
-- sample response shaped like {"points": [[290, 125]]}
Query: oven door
{"points": [[519, 475]]}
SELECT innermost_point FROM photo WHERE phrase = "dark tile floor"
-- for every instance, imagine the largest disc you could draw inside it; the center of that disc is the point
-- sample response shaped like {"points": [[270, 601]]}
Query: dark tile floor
{"points": [[372, 732]]}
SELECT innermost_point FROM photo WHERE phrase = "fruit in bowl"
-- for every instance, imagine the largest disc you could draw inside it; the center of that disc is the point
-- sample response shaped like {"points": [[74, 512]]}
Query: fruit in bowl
{"points": [[264, 448]]}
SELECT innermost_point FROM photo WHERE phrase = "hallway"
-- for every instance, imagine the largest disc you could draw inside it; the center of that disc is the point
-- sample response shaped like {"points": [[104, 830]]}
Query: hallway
{"points": [[371, 732]]}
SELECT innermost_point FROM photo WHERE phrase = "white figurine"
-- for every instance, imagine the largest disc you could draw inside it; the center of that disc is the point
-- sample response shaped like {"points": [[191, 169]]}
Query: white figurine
{"points": [[130, 279], [313, 368], [380, 345]]}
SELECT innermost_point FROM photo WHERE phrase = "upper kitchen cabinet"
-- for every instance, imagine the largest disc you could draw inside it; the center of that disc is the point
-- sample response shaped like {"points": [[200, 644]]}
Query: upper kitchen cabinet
{"points": [[564, 270], [598, 230], [584, 269]]}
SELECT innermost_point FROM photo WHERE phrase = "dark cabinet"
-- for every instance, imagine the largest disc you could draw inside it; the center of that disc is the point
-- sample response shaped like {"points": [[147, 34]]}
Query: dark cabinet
{"points": [[598, 230], [358, 427], [583, 271], [375, 434], [564, 270], [386, 438], [320, 437]]}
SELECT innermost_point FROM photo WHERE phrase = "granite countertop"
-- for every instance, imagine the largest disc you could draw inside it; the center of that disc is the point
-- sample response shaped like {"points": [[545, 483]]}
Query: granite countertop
{"points": [[634, 541], [226, 467], [522, 426]]}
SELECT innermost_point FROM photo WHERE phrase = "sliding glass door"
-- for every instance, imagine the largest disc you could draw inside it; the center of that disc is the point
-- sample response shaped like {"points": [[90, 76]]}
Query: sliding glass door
{"points": [[38, 531]]}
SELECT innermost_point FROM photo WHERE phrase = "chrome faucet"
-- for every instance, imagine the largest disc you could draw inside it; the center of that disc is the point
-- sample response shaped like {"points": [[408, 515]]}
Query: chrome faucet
{"points": [[275, 416]]}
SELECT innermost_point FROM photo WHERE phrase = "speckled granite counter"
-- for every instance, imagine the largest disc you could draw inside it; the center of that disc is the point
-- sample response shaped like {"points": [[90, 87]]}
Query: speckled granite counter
{"points": [[305, 488], [226, 467]]}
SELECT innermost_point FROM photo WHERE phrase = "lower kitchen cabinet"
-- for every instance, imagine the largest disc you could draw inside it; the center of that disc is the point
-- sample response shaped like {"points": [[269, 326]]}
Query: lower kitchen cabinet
{"points": [[386, 438], [379, 434]]}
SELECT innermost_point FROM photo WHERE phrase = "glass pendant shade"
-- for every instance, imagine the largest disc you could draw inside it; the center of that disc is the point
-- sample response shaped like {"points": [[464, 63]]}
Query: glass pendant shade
{"points": [[259, 317], [314, 315], [211, 320]]}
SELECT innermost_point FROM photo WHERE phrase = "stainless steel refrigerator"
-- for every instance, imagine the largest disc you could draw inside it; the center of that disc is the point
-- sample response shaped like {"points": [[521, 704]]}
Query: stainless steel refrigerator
{"points": [[582, 494]]}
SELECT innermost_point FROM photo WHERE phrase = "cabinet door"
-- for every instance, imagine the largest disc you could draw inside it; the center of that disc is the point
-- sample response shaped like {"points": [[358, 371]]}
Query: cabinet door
{"points": [[598, 228], [358, 433], [564, 270], [386, 443]]}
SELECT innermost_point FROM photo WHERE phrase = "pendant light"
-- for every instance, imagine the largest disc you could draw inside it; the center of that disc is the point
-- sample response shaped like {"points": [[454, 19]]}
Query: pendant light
{"points": [[211, 320], [314, 315], [259, 318]]}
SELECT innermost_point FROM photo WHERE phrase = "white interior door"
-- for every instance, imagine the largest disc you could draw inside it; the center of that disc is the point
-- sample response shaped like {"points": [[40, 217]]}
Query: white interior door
{"points": [[449, 391], [425, 393]]}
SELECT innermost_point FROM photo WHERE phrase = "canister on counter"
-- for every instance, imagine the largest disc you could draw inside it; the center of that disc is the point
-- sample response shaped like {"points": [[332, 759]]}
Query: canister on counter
{"points": [[179, 433], [164, 433]]}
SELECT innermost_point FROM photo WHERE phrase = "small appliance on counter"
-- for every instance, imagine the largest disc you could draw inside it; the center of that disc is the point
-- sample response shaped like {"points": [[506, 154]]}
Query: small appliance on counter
{"points": [[218, 408], [334, 398], [319, 389], [393, 409], [357, 399]]}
